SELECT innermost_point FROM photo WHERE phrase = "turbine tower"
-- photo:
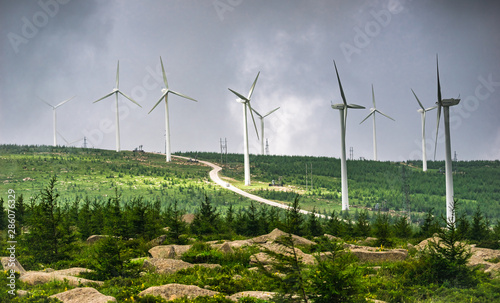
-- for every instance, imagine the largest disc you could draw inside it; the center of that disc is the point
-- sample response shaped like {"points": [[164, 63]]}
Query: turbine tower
{"points": [[55, 116], [422, 112], [262, 127], [445, 104], [342, 107], [246, 103], [164, 96], [117, 91], [374, 110]]}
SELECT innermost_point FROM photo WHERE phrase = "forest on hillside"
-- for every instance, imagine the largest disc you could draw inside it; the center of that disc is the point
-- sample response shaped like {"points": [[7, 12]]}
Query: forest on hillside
{"points": [[391, 185]]}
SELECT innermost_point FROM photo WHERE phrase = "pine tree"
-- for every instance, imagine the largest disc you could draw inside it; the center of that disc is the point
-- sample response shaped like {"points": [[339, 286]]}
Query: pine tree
{"points": [[252, 221], [335, 226], [362, 227], [314, 227], [402, 228], [430, 225], [49, 239], [478, 230], [176, 224], [206, 219], [382, 229]]}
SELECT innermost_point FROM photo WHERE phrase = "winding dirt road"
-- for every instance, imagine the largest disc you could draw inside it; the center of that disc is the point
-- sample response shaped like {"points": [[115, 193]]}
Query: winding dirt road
{"points": [[214, 176]]}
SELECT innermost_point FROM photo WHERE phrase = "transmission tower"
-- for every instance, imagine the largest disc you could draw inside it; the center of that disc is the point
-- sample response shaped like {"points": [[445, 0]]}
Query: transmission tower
{"points": [[351, 153], [455, 157], [267, 147], [84, 142]]}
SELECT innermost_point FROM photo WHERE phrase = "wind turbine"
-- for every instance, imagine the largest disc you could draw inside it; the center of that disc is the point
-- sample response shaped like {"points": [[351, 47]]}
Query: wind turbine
{"points": [[445, 104], [422, 111], [164, 96], [246, 103], [54, 114], [374, 110], [117, 91], [67, 142], [262, 126], [342, 107]]}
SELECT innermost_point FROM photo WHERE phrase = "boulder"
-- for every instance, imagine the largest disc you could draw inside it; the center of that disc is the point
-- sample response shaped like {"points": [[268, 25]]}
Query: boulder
{"points": [[83, 295], [9, 264], [158, 240], [168, 266], [74, 271], [94, 238], [169, 251], [276, 234], [36, 277], [226, 248], [174, 291], [331, 238], [261, 295], [165, 266], [266, 259], [380, 256]]}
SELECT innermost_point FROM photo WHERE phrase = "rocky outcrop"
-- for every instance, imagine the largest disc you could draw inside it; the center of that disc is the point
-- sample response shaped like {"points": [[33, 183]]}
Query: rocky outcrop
{"points": [[94, 238], [83, 295], [35, 277], [9, 264], [261, 295], [169, 251], [276, 234], [168, 266], [73, 271], [175, 291], [265, 259], [391, 255]]}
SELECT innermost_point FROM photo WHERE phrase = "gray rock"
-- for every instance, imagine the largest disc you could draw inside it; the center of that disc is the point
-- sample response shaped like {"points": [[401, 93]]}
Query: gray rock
{"points": [[83, 295], [176, 291]]}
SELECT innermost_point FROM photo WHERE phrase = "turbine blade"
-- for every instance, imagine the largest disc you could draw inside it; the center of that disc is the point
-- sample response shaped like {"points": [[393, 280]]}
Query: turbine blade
{"points": [[367, 117], [117, 74], [63, 102], [439, 85], [340, 84], [355, 106], [260, 116], [239, 95], [164, 75], [162, 96], [113, 92], [384, 114], [129, 98], [271, 112], [373, 98], [430, 108], [47, 103], [254, 124], [437, 129], [63, 137], [253, 86], [183, 96], [418, 100]]}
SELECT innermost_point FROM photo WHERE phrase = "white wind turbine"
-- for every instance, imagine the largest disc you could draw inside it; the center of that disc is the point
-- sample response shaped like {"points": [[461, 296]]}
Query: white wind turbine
{"points": [[54, 115], [374, 110], [445, 104], [164, 96], [342, 107], [117, 91], [67, 142], [422, 112], [246, 103], [262, 126]]}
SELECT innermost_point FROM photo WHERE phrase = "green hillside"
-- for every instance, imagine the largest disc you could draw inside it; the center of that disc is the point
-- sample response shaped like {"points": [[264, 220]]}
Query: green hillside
{"points": [[56, 198], [476, 183]]}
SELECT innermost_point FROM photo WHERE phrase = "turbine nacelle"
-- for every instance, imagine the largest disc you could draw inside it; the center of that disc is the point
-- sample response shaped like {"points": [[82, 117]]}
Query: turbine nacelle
{"points": [[164, 90], [339, 106], [449, 102]]}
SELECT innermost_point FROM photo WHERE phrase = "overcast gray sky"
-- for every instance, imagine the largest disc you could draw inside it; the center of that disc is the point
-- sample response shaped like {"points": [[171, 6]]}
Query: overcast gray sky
{"points": [[55, 49]]}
